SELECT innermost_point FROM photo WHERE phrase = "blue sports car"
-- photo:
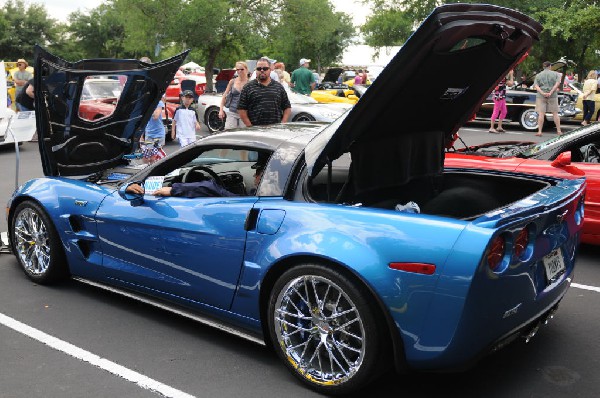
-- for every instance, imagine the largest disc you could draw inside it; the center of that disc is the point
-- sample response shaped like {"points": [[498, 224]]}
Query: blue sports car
{"points": [[346, 248]]}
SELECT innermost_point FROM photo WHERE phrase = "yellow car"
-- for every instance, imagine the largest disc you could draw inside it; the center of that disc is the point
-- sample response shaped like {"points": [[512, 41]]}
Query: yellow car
{"points": [[578, 88], [339, 96]]}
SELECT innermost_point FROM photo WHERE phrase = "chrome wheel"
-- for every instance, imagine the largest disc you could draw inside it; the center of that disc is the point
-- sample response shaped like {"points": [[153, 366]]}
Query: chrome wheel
{"points": [[32, 242], [529, 119], [37, 245], [320, 330]]}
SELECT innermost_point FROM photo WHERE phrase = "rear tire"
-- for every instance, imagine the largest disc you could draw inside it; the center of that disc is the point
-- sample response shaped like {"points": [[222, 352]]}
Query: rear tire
{"points": [[528, 119], [304, 117], [212, 120], [325, 329], [36, 244]]}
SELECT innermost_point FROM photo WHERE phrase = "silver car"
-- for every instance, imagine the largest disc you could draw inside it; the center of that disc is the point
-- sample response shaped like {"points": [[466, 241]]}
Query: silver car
{"points": [[304, 109]]}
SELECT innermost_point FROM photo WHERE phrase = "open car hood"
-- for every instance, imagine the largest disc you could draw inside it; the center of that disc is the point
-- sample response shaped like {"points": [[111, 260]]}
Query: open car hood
{"points": [[397, 131], [73, 140]]}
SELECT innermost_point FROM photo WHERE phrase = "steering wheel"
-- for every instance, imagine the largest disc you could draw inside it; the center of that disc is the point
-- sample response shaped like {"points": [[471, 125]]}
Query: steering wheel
{"points": [[592, 155], [203, 169]]}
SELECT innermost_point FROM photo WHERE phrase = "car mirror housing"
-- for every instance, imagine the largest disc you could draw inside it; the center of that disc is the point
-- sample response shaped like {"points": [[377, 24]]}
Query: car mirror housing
{"points": [[135, 199], [562, 160]]}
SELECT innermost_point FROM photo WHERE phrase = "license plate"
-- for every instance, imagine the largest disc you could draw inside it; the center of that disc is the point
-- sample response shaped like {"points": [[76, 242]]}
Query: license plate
{"points": [[554, 264]]}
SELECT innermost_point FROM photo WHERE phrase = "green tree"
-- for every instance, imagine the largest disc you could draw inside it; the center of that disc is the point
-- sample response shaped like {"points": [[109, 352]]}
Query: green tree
{"points": [[573, 28], [311, 29], [23, 27], [99, 34]]}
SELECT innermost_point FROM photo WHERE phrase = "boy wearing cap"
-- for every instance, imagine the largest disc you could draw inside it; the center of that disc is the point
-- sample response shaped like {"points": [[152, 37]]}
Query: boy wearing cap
{"points": [[185, 120], [303, 81], [22, 76]]}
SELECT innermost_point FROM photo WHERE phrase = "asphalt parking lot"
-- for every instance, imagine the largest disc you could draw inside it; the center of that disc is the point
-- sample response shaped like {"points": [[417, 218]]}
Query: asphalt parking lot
{"points": [[75, 340]]}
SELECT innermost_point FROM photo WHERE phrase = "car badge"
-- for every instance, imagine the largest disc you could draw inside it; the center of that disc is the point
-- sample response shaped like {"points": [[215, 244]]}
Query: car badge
{"points": [[453, 93]]}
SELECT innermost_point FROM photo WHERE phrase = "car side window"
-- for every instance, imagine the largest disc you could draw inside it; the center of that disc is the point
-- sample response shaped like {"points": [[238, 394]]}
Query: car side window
{"points": [[235, 169]]}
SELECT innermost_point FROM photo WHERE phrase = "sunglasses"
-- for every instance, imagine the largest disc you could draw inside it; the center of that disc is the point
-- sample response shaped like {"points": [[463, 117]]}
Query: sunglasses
{"points": [[240, 69], [262, 68]]}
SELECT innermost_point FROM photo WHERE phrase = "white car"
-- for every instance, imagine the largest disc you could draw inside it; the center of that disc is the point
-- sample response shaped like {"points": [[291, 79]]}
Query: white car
{"points": [[304, 109]]}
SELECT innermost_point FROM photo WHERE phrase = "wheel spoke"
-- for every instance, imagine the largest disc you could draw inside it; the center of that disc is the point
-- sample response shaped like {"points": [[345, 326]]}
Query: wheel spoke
{"points": [[299, 316], [346, 324], [292, 325]]}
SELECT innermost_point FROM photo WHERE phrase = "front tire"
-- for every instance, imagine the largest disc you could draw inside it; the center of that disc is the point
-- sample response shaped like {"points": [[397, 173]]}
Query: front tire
{"points": [[529, 119], [212, 120], [36, 244], [325, 330]]}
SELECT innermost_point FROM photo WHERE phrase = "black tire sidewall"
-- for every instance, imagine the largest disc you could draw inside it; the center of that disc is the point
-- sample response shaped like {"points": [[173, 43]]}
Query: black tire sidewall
{"points": [[207, 113], [373, 338], [304, 114]]}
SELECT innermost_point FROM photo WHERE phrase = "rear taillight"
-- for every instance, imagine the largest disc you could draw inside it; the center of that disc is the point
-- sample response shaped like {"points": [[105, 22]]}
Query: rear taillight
{"points": [[521, 242], [496, 253]]}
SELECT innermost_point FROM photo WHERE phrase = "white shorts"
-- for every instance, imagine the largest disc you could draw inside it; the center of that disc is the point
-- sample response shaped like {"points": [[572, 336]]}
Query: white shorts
{"points": [[183, 141], [233, 120]]}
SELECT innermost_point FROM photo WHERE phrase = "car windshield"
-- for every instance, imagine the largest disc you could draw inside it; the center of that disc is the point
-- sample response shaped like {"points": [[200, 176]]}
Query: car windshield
{"points": [[578, 86], [533, 149], [101, 88], [296, 98]]}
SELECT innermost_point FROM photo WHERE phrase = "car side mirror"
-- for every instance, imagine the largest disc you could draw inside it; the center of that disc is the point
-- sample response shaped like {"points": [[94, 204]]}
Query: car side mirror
{"points": [[135, 199], [562, 160]]}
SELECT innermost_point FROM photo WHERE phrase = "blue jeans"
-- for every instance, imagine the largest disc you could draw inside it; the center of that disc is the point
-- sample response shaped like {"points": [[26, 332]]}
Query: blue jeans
{"points": [[588, 110], [21, 108]]}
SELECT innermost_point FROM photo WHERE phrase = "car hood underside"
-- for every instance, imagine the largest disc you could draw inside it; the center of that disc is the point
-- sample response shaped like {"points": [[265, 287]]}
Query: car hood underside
{"points": [[398, 129]]}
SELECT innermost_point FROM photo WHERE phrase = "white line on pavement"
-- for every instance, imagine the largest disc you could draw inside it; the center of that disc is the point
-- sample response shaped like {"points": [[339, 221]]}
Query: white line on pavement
{"points": [[102, 363], [586, 287]]}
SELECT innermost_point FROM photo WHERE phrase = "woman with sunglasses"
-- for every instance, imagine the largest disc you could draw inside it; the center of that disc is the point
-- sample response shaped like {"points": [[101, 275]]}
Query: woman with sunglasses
{"points": [[231, 97]]}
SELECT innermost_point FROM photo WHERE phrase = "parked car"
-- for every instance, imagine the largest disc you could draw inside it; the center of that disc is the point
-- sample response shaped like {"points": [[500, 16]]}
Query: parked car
{"points": [[99, 96], [575, 152], [520, 101], [174, 89], [335, 96], [304, 109], [315, 261], [520, 104]]}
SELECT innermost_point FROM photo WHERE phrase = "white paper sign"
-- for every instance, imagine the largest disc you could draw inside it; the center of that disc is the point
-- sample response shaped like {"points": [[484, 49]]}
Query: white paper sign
{"points": [[153, 183]]}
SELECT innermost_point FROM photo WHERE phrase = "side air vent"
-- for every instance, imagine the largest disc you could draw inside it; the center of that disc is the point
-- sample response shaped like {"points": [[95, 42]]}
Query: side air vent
{"points": [[84, 246], [76, 224]]}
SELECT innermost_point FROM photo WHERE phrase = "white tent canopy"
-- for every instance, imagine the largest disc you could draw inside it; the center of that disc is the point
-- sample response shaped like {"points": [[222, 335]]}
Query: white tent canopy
{"points": [[191, 65]]}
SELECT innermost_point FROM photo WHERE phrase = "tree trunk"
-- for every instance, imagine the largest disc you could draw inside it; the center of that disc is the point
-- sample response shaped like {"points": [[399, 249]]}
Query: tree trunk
{"points": [[208, 69]]}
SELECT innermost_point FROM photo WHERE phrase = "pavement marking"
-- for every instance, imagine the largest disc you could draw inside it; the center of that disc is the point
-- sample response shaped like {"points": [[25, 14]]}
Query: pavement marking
{"points": [[586, 287], [86, 356]]}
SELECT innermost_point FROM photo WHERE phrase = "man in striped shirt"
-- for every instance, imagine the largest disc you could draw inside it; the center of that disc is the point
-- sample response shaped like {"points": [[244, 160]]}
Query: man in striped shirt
{"points": [[263, 101]]}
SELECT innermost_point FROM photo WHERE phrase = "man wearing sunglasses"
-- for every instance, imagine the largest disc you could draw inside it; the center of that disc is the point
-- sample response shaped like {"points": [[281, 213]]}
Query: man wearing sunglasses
{"points": [[263, 101]]}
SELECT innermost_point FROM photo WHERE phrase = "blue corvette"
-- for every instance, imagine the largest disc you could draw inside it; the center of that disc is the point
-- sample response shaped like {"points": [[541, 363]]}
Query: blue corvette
{"points": [[318, 257]]}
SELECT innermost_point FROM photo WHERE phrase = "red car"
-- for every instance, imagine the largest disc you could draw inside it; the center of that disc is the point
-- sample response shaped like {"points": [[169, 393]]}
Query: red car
{"points": [[174, 89], [572, 154], [99, 97]]}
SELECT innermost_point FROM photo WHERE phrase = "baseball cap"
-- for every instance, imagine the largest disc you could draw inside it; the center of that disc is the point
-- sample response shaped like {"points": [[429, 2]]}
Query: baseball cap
{"points": [[304, 61], [187, 93]]}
